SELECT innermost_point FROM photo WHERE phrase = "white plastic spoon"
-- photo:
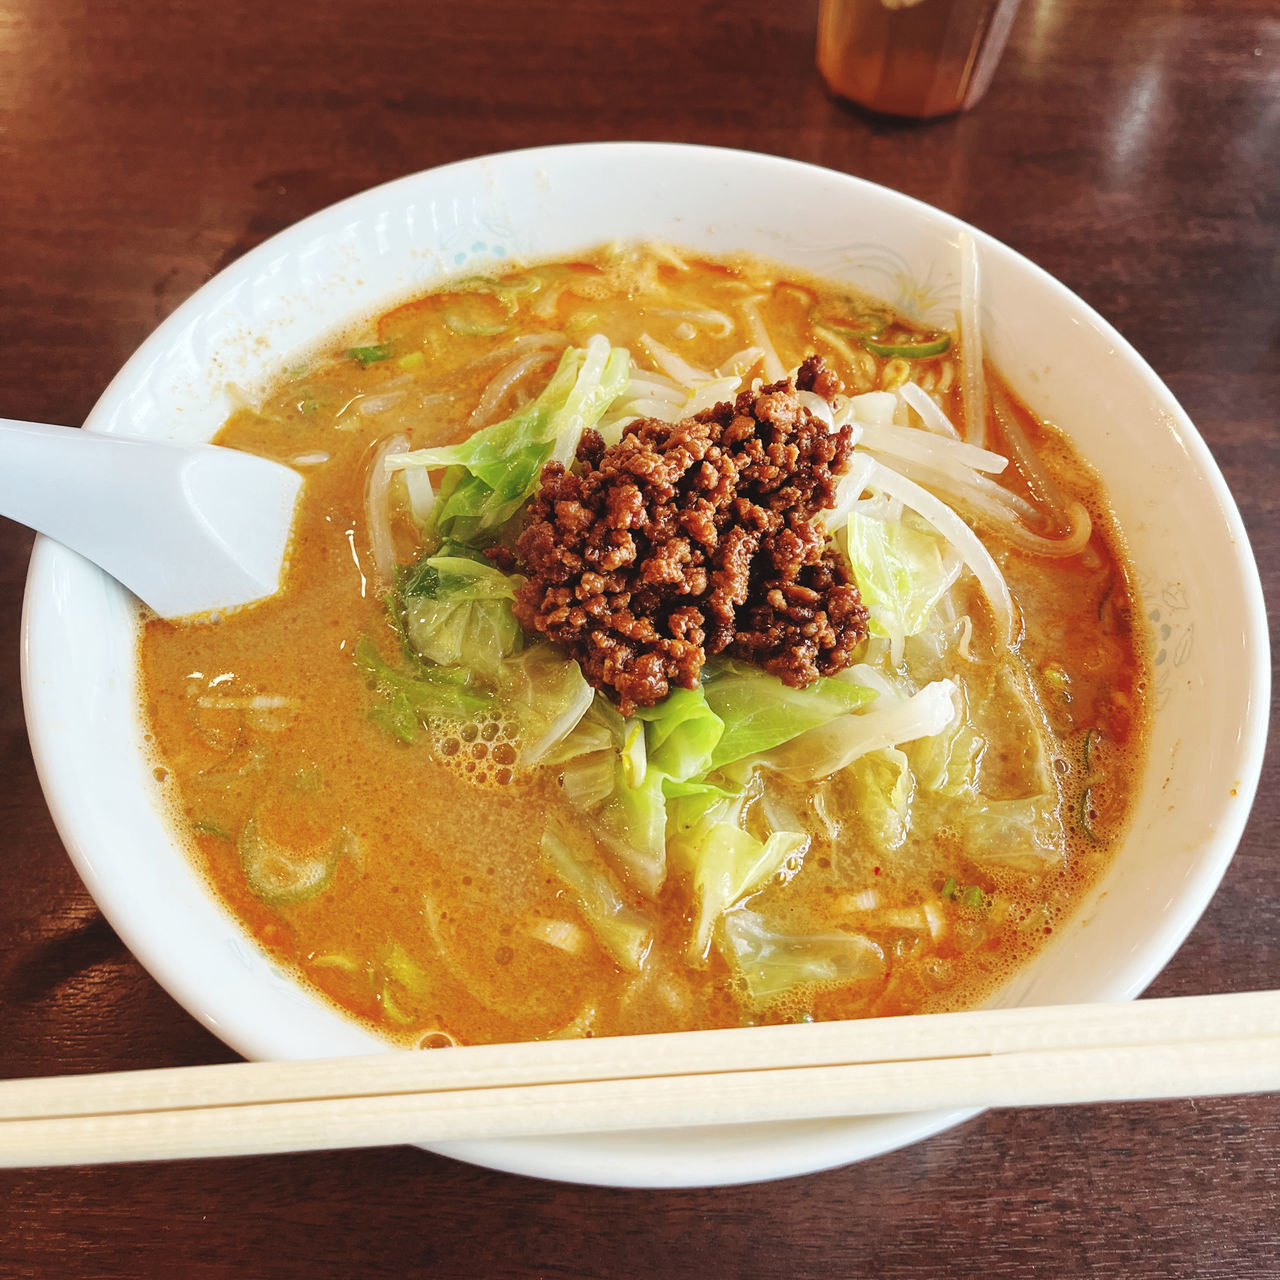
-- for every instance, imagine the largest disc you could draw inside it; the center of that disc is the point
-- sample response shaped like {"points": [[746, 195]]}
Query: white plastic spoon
{"points": [[187, 528]]}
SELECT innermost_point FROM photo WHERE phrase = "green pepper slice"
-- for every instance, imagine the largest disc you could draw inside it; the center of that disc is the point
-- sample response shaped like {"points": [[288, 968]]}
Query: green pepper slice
{"points": [[909, 350], [1085, 815], [861, 324]]}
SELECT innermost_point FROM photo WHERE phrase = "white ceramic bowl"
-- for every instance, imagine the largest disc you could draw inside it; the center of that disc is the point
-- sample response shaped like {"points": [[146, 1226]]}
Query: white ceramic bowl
{"points": [[1199, 584]]}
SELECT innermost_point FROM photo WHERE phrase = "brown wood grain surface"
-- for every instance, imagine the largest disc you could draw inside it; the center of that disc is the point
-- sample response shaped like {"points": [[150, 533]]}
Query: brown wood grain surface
{"points": [[1132, 149]]}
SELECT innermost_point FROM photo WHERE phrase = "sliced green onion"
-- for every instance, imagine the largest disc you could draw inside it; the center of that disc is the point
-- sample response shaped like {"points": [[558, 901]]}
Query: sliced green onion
{"points": [[370, 355], [972, 897], [1090, 746], [1106, 595], [909, 350], [470, 329], [862, 324], [280, 876], [204, 827], [477, 313], [1085, 814], [508, 292]]}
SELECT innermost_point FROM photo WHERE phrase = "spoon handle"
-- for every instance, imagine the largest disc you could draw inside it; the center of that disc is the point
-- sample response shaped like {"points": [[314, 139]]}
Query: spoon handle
{"points": [[187, 528], [60, 481]]}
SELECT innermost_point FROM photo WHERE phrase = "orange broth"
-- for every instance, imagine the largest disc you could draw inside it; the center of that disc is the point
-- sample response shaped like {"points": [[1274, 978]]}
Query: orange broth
{"points": [[442, 922]]}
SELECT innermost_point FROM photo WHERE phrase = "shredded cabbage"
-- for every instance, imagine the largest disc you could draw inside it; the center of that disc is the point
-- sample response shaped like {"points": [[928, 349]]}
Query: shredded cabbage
{"points": [[901, 572], [965, 541], [627, 804], [600, 729], [726, 863], [549, 695], [884, 787], [622, 930], [1004, 811], [632, 823], [455, 608], [492, 473], [406, 699], [642, 790], [771, 963], [681, 734], [890, 721], [759, 712], [457, 611], [947, 762]]}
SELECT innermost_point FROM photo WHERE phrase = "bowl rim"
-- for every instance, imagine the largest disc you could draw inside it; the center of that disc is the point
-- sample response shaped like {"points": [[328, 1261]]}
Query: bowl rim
{"points": [[524, 1156]]}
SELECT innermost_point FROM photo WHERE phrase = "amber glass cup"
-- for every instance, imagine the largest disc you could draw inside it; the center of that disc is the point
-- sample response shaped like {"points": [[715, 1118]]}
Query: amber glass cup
{"points": [[918, 58]]}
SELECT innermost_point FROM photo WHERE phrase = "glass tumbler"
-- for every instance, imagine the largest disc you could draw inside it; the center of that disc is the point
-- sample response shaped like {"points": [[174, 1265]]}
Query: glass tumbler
{"points": [[918, 58]]}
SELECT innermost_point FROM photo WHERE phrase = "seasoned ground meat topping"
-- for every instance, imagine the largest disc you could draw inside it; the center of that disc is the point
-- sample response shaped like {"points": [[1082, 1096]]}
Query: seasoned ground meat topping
{"points": [[696, 538]]}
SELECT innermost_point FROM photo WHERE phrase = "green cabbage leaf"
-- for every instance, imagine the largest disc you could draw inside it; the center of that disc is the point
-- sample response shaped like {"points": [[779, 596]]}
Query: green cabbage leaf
{"points": [[623, 931], [759, 712], [892, 719], [901, 572], [724, 862], [681, 734], [406, 699], [771, 962], [490, 475], [1004, 807], [883, 787], [622, 780], [548, 695], [455, 608]]}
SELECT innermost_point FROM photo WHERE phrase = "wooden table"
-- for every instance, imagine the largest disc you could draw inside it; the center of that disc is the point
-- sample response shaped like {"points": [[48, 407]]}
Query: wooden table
{"points": [[1131, 149]]}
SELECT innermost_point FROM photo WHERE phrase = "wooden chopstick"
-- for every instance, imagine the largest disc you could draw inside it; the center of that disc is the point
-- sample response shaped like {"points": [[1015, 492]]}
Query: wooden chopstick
{"points": [[1192, 1046]]}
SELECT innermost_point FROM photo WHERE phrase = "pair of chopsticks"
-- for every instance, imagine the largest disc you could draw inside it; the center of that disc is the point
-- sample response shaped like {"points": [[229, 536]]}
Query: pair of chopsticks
{"points": [[1191, 1046]]}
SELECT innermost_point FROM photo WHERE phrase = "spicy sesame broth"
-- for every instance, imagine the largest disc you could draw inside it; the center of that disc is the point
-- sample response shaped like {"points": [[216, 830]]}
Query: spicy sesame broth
{"points": [[439, 919]]}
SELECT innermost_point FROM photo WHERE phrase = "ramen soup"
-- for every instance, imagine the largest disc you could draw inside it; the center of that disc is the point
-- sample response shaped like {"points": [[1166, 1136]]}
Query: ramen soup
{"points": [[634, 671]]}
